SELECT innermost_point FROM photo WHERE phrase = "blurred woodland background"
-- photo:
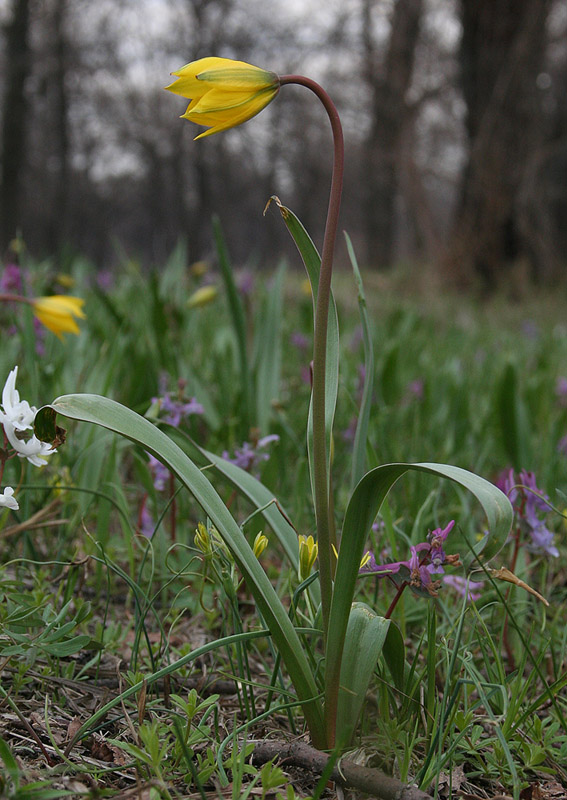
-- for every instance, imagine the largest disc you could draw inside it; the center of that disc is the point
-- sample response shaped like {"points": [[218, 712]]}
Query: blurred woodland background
{"points": [[455, 115]]}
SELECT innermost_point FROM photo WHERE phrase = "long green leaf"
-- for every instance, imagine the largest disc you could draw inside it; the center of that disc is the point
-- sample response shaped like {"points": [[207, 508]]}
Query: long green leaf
{"points": [[312, 262], [362, 509], [268, 370], [109, 414], [366, 634], [361, 435]]}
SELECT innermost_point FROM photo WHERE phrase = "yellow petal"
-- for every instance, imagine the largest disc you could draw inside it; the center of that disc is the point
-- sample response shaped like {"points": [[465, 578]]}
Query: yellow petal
{"points": [[197, 77], [247, 111], [57, 313], [220, 100]]}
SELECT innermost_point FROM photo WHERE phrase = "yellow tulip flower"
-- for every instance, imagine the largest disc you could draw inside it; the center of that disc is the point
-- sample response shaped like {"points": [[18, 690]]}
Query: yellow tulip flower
{"points": [[223, 93], [202, 297], [58, 313]]}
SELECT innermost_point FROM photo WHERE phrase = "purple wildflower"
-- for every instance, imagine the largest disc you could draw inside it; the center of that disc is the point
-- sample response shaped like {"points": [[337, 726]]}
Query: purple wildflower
{"points": [[160, 473], [530, 503], [506, 482], [350, 432], [415, 389], [420, 573], [472, 589], [105, 279], [533, 502], [427, 559], [244, 457], [530, 329], [542, 539], [245, 282], [307, 374], [299, 340], [248, 457], [561, 391], [356, 339], [11, 280], [177, 410], [146, 522], [562, 446], [40, 334], [437, 554]]}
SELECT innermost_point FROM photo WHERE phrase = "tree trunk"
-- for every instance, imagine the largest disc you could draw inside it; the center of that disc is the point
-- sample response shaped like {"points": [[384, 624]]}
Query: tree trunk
{"points": [[389, 84], [59, 222], [13, 143], [501, 54]]}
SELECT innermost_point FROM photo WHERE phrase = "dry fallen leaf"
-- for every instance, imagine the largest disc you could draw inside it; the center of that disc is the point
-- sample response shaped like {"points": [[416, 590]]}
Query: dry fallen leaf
{"points": [[504, 574]]}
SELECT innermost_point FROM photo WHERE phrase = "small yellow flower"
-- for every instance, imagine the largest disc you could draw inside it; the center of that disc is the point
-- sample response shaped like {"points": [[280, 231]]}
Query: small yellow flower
{"points": [[65, 280], [260, 544], [308, 549], [223, 93], [203, 540], [305, 287], [208, 540], [199, 268], [58, 313], [202, 297], [363, 561]]}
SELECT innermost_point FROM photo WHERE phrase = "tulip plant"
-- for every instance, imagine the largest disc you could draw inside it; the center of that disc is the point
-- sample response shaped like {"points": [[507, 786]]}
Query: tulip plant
{"points": [[57, 312], [223, 94]]}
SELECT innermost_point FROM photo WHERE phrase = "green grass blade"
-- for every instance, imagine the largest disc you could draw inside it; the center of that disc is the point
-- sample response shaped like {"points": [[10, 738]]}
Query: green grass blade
{"points": [[361, 434], [268, 370], [10, 763], [113, 416], [513, 419], [239, 324]]}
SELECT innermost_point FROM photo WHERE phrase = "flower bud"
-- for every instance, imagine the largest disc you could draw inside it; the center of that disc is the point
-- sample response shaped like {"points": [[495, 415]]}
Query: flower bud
{"points": [[308, 549]]}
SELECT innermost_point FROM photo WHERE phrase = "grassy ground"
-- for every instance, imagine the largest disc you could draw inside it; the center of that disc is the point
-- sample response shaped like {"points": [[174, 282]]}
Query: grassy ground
{"points": [[103, 585]]}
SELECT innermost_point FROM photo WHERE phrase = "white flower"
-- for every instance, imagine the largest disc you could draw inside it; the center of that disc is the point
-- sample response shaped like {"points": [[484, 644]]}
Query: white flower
{"points": [[18, 412], [7, 500], [18, 416], [32, 449]]}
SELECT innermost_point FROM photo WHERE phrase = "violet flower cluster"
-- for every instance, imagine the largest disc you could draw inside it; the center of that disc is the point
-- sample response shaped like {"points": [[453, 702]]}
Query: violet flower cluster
{"points": [[530, 505], [11, 280], [174, 411], [248, 456], [427, 559]]}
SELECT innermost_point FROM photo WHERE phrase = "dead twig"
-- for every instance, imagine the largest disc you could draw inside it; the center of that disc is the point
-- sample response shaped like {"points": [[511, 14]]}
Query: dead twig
{"points": [[346, 773]]}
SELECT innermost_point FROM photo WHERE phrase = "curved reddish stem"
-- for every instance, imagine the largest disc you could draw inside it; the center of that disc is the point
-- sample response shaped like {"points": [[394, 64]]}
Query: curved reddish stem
{"points": [[320, 477]]}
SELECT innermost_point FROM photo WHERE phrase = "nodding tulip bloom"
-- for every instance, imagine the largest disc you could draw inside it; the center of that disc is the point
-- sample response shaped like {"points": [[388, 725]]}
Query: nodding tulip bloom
{"points": [[223, 93], [58, 313]]}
